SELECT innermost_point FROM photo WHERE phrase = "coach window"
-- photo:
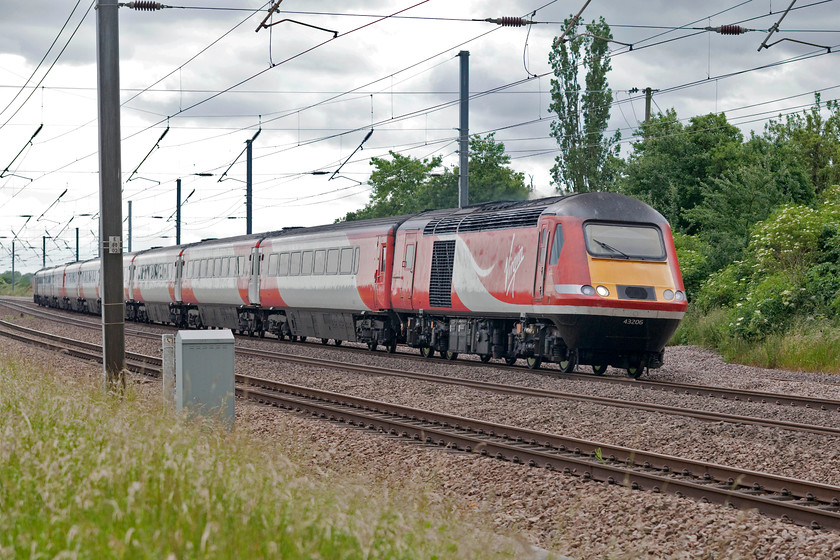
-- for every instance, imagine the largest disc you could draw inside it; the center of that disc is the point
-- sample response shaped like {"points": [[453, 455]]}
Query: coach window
{"points": [[332, 261], [225, 267], [284, 265], [356, 261], [557, 246], [273, 259], [218, 272], [384, 256], [306, 263], [202, 271], [294, 269], [409, 257], [320, 260], [347, 260], [241, 265]]}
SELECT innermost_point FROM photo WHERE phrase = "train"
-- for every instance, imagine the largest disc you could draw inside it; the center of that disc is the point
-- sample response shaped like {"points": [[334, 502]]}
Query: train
{"points": [[582, 279]]}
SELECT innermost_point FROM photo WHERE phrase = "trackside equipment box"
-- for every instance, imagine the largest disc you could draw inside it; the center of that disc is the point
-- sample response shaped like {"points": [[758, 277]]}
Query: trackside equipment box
{"points": [[204, 373]]}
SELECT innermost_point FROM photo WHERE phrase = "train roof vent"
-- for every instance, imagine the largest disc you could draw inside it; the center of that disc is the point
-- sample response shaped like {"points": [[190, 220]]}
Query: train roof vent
{"points": [[482, 221], [448, 224]]}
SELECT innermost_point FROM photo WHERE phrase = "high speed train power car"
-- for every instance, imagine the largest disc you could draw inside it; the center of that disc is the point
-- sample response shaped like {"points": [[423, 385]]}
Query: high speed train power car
{"points": [[589, 279]]}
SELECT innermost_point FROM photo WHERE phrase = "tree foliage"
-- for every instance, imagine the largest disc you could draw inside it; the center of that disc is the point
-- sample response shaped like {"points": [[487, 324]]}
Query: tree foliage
{"points": [[814, 142], [406, 185], [672, 162], [588, 161]]}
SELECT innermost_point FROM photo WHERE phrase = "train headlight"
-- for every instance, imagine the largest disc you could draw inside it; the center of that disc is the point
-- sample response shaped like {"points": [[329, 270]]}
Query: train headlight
{"points": [[602, 291], [587, 290], [668, 294], [680, 295]]}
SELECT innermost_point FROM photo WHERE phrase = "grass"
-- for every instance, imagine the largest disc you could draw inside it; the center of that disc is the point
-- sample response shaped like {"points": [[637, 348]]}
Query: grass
{"points": [[21, 289], [86, 475], [809, 345]]}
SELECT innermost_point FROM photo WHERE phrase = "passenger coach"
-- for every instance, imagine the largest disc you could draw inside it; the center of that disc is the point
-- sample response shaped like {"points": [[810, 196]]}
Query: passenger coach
{"points": [[582, 279]]}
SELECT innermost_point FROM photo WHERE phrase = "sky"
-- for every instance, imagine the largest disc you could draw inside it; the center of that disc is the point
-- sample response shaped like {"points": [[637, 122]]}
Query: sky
{"points": [[197, 80]]}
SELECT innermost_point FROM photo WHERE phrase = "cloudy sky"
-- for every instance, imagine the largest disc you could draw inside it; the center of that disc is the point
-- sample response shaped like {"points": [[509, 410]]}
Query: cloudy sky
{"points": [[199, 77]]}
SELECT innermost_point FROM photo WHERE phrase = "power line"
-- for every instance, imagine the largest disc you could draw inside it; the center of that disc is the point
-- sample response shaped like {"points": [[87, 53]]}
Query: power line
{"points": [[57, 58], [38, 67]]}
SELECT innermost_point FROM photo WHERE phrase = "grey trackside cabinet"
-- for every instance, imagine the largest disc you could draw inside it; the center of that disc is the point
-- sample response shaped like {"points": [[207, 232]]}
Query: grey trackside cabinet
{"points": [[204, 373]]}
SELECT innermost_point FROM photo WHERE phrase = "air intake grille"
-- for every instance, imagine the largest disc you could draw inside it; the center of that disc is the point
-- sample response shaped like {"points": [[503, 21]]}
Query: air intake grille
{"points": [[440, 281], [483, 221]]}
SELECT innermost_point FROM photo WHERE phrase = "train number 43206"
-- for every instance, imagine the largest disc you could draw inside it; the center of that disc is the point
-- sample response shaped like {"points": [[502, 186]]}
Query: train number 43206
{"points": [[634, 321]]}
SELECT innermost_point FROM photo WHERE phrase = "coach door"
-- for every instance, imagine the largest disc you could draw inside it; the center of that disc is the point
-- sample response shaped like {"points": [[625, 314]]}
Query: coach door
{"points": [[254, 284], [179, 273], [405, 261], [381, 286], [539, 277]]}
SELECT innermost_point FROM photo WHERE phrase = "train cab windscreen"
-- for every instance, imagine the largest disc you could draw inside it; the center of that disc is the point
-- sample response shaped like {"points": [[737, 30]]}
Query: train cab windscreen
{"points": [[618, 241]]}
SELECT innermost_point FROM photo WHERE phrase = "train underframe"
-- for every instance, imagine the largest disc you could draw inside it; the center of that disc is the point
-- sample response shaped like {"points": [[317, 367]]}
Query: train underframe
{"points": [[630, 343]]}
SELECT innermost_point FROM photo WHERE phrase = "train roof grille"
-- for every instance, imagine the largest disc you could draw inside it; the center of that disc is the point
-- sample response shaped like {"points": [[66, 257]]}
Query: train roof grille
{"points": [[483, 221]]}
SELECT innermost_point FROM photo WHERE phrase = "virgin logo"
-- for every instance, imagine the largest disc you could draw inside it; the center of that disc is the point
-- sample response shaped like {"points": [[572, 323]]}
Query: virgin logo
{"points": [[512, 263]]}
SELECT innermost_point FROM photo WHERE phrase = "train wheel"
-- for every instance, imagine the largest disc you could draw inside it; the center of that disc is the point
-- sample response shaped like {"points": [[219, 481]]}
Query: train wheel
{"points": [[484, 358], [262, 333], [371, 346], [599, 369], [449, 355], [427, 351], [635, 371], [510, 361], [337, 342], [302, 339], [391, 347], [567, 365], [534, 362], [325, 341]]}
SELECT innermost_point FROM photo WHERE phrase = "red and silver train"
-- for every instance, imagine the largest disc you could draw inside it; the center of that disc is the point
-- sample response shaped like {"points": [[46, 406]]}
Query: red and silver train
{"points": [[588, 279]]}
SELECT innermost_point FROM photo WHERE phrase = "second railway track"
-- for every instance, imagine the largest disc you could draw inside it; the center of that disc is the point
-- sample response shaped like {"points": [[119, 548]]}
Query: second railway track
{"points": [[803, 502]]}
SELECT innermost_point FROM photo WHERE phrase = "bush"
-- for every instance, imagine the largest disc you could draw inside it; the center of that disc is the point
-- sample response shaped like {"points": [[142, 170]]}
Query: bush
{"points": [[724, 288], [822, 289], [769, 307], [788, 240], [693, 260]]}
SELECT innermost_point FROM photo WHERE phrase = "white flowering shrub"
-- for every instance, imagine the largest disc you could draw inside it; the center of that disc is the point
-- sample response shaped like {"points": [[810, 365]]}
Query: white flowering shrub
{"points": [[770, 306], [791, 270], [788, 240]]}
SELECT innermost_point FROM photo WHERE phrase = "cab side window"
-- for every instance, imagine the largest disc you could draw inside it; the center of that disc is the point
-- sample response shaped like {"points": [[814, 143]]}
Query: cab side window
{"points": [[557, 246]]}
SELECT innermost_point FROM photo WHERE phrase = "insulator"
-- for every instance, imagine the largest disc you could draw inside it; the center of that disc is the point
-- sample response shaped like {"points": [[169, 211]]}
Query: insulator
{"points": [[509, 21], [145, 6], [732, 30], [729, 29]]}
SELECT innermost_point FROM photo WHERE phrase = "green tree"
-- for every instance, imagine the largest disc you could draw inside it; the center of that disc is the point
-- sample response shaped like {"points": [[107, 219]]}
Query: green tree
{"points": [[814, 141], [588, 161], [672, 162], [744, 195], [405, 185]]}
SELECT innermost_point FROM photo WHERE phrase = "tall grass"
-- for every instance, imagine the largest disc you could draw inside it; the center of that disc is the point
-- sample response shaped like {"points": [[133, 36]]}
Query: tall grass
{"points": [[811, 344], [85, 475]]}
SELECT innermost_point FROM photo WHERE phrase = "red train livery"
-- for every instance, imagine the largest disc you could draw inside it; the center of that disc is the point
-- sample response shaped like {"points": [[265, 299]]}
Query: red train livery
{"points": [[581, 279]]}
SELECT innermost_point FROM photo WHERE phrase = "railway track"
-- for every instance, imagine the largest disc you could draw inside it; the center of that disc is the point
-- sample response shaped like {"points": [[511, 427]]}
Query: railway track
{"points": [[730, 394], [802, 502], [723, 393]]}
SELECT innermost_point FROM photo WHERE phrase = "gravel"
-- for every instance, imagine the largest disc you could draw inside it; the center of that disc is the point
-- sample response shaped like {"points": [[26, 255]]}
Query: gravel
{"points": [[553, 511]]}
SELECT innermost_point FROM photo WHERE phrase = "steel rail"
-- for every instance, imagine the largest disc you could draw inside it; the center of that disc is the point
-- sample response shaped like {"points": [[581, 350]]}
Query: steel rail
{"points": [[724, 393], [708, 416], [802, 502]]}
